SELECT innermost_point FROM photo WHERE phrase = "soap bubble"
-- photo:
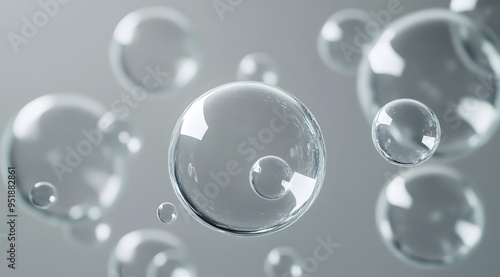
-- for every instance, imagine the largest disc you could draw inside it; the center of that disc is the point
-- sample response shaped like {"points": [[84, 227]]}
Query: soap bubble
{"points": [[55, 139], [405, 132], [259, 67], [135, 251], [430, 216], [43, 195], [167, 213], [343, 38], [283, 261], [118, 135], [270, 177], [90, 232], [482, 11], [154, 48], [419, 57], [220, 137], [171, 264]]}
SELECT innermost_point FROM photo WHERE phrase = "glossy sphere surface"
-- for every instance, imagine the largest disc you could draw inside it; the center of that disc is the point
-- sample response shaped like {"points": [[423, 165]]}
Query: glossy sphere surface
{"points": [[219, 138]]}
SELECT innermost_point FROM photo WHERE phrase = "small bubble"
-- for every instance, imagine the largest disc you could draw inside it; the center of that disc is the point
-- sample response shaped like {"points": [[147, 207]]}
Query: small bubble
{"points": [[283, 261], [43, 195], [118, 136], [270, 177], [171, 263], [406, 132], [258, 67], [167, 213]]}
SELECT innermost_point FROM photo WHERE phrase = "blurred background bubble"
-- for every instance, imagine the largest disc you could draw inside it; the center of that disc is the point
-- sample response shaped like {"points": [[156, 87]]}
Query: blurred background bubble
{"points": [[431, 216], [116, 57], [137, 250], [342, 41], [283, 261], [443, 60], [65, 168], [259, 67], [154, 49]]}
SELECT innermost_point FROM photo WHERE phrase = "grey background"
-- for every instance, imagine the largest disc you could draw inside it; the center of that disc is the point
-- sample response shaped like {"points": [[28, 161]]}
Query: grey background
{"points": [[70, 54]]}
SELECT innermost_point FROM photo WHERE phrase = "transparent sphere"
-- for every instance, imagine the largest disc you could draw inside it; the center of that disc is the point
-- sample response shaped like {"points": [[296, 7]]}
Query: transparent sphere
{"points": [[270, 177], [56, 139], [91, 232], [154, 48], [135, 251], [283, 261], [258, 67], [405, 132], [430, 216], [217, 142], [482, 11], [422, 57], [171, 263], [43, 195], [167, 213], [119, 135], [343, 38]]}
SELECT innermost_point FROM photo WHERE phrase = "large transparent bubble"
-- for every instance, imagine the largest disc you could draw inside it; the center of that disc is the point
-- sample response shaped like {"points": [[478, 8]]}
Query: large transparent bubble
{"points": [[430, 216], [55, 140], [445, 61], [154, 48], [218, 141]]}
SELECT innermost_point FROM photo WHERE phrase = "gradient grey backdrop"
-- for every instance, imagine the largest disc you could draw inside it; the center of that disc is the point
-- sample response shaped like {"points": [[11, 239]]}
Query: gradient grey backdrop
{"points": [[70, 54]]}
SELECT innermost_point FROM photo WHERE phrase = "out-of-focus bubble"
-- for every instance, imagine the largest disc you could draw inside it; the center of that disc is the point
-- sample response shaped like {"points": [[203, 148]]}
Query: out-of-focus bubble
{"points": [[89, 232], [167, 213], [343, 38], [119, 135], [43, 195], [430, 216], [283, 261], [258, 67], [135, 251], [405, 132], [55, 139], [270, 177], [419, 56], [482, 11], [171, 263], [218, 140], [154, 48]]}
